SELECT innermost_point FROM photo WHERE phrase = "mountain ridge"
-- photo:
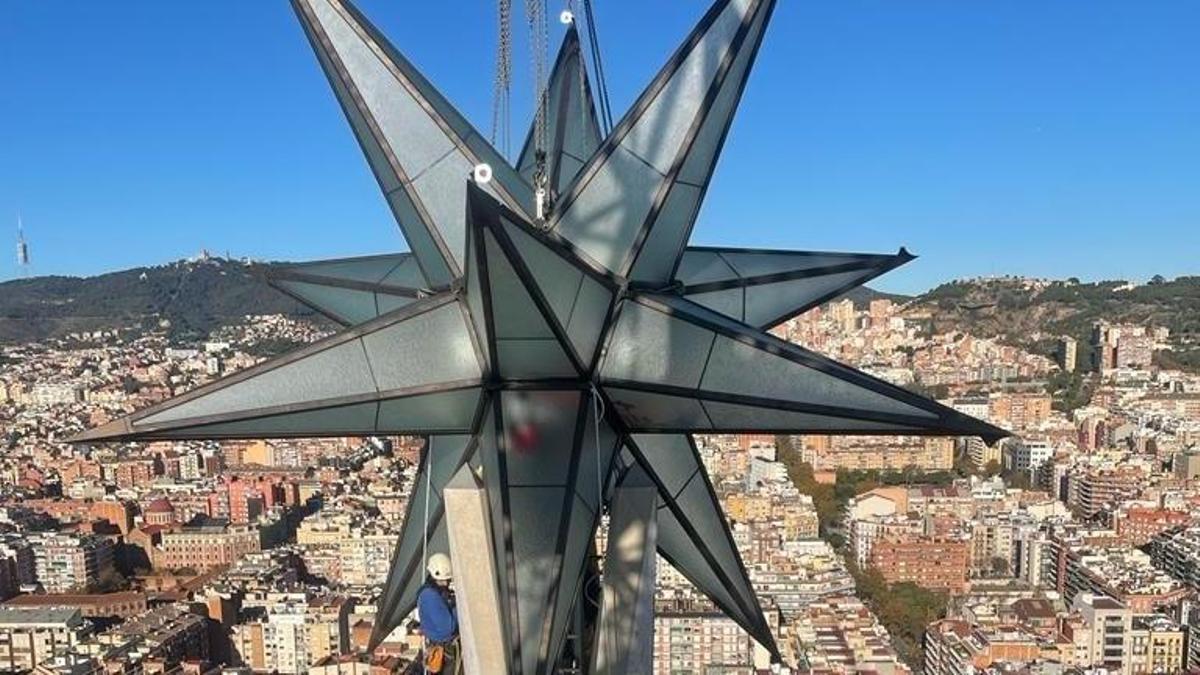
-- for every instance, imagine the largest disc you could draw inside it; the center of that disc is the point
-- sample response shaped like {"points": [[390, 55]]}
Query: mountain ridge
{"points": [[194, 296]]}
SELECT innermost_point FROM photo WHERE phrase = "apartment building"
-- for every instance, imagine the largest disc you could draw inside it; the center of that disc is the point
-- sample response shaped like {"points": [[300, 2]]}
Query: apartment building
{"points": [[66, 563], [293, 631], [30, 637], [936, 562], [955, 647], [691, 636], [1177, 552], [1116, 638], [205, 543]]}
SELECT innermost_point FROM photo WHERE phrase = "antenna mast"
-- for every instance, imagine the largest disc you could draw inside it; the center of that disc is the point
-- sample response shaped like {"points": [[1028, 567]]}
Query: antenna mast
{"points": [[22, 249]]}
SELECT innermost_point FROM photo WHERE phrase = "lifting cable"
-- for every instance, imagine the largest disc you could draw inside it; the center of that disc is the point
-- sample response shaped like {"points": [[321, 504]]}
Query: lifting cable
{"points": [[502, 94], [535, 14], [425, 529], [606, 120], [501, 137]]}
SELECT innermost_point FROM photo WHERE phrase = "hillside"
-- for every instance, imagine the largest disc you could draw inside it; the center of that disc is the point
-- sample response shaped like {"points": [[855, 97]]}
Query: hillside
{"points": [[863, 295], [1033, 314], [194, 296], [197, 296]]}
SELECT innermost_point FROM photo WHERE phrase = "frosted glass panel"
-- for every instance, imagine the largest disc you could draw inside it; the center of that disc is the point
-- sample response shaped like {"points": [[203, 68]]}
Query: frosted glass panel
{"points": [[727, 302], [650, 346], [475, 304], [539, 428], [586, 486], [675, 545], [346, 305], [767, 303], [525, 343], [659, 133], [644, 411], [413, 135], [538, 510], [702, 266], [570, 118], [442, 190], [428, 348], [514, 313], [407, 274], [668, 234], [607, 215], [419, 236], [371, 269], [706, 144], [557, 278], [579, 544], [751, 264], [304, 380], [389, 303], [733, 417], [533, 359], [588, 317], [670, 457], [702, 510], [424, 134], [452, 411], [344, 420], [739, 368]]}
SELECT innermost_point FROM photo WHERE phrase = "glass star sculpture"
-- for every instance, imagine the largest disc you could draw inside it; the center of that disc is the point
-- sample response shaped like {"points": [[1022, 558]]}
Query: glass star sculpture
{"points": [[555, 355]]}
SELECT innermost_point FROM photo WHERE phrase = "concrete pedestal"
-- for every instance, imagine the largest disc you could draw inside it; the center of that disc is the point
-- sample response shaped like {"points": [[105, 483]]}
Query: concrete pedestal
{"points": [[625, 632], [469, 526]]}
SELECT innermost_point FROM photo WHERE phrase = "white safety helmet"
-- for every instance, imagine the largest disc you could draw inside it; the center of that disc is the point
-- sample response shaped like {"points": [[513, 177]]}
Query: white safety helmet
{"points": [[439, 567]]}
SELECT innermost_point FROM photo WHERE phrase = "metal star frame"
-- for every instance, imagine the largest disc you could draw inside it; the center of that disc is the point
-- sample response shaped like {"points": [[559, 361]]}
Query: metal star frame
{"points": [[554, 358]]}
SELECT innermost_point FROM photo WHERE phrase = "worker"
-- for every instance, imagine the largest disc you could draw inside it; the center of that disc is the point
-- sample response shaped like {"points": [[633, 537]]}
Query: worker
{"points": [[438, 616]]}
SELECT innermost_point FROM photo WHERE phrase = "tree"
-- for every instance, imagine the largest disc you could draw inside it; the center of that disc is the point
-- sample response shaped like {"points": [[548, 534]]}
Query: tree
{"points": [[828, 506], [964, 467], [1000, 566], [110, 580], [904, 609]]}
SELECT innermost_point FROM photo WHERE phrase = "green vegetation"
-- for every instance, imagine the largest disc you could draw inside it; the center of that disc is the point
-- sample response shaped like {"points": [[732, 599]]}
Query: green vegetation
{"points": [[830, 500], [1017, 479], [856, 482], [904, 609], [1178, 359], [1070, 390], [273, 347], [1008, 310], [110, 581], [193, 297], [829, 509], [934, 391]]}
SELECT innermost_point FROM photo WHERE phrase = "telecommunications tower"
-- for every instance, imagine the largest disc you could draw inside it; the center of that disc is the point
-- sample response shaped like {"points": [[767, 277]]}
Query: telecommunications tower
{"points": [[22, 249]]}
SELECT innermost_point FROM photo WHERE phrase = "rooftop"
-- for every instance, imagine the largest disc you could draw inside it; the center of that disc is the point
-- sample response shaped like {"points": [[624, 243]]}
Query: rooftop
{"points": [[39, 616]]}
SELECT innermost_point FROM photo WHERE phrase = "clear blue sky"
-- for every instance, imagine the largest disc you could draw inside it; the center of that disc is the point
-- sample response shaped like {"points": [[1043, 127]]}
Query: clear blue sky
{"points": [[1027, 137]]}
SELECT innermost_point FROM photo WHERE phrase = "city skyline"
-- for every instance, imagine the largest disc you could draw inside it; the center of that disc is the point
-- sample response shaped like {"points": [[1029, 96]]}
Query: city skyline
{"points": [[586, 424], [1097, 160]]}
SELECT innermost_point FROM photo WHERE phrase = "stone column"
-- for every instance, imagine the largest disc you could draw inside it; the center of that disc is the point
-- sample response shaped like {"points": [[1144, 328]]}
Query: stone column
{"points": [[625, 632], [476, 588]]}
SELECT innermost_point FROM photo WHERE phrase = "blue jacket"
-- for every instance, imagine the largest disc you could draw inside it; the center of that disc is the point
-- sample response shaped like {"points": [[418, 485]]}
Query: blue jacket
{"points": [[439, 621]]}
